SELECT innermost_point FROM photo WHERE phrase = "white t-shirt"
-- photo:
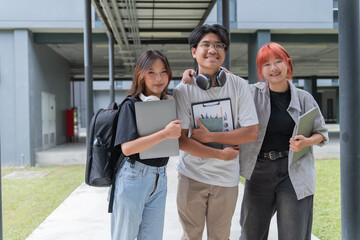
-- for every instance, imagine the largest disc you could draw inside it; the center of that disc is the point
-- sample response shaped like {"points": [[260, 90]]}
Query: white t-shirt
{"points": [[212, 170]]}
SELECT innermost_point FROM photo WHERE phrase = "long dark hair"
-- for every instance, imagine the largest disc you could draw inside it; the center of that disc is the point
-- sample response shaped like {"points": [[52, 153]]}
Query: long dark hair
{"points": [[142, 66]]}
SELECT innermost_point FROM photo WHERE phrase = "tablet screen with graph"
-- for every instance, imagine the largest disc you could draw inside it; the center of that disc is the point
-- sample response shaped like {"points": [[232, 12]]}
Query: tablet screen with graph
{"points": [[214, 109]]}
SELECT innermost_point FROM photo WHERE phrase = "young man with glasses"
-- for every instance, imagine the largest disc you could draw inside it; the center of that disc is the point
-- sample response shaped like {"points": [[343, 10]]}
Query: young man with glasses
{"points": [[209, 177]]}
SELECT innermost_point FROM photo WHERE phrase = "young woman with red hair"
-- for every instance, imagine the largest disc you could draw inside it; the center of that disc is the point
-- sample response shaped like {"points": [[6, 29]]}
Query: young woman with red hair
{"points": [[274, 183]]}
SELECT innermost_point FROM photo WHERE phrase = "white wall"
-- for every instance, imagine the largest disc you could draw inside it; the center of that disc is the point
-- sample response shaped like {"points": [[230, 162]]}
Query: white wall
{"points": [[263, 14], [281, 14], [42, 14]]}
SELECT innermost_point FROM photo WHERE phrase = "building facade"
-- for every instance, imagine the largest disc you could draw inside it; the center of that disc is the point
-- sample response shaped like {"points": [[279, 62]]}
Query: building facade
{"points": [[42, 69]]}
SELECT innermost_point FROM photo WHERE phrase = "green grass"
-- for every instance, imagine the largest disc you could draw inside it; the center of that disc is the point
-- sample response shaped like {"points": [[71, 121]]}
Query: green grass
{"points": [[327, 211], [27, 202], [334, 127], [242, 180]]}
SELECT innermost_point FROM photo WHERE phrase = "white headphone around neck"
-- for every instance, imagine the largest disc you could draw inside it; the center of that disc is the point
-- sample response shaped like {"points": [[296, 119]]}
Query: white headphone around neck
{"points": [[148, 98]]}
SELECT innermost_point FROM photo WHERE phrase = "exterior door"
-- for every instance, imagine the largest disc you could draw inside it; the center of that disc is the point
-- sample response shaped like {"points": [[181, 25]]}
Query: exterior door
{"points": [[48, 120]]}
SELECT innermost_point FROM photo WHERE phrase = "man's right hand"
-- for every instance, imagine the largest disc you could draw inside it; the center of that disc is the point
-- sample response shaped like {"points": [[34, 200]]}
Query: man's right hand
{"points": [[188, 75], [229, 153]]}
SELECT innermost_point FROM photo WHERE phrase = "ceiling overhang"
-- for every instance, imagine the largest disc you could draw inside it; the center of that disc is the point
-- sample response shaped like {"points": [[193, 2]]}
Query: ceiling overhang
{"points": [[137, 22]]}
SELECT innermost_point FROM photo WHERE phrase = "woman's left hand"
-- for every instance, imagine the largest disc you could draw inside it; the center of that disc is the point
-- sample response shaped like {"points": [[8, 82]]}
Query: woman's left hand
{"points": [[298, 142]]}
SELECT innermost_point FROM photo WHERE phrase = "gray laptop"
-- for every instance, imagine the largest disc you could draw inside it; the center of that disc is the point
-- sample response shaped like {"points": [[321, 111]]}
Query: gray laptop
{"points": [[305, 127], [151, 117]]}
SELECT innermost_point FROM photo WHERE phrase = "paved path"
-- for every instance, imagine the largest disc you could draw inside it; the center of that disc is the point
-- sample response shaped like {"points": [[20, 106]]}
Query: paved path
{"points": [[330, 150], [83, 215]]}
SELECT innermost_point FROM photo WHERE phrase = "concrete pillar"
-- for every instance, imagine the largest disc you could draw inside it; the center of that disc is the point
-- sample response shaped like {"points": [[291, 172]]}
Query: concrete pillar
{"points": [[111, 67], [21, 136], [226, 24], [349, 83], [88, 64], [337, 106], [260, 38], [310, 85]]}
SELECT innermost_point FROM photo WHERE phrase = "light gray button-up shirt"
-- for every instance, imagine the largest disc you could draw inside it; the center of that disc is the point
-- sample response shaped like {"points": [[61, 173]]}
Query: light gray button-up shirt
{"points": [[302, 172]]}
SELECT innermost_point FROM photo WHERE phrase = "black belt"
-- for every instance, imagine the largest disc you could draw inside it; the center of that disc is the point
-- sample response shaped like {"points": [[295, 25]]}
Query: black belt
{"points": [[273, 155]]}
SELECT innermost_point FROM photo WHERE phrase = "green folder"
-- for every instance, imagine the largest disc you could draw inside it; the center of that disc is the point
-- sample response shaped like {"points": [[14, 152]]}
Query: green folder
{"points": [[213, 125]]}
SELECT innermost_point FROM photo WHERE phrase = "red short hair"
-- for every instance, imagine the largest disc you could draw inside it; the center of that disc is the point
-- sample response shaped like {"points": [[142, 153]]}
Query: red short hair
{"points": [[270, 50]]}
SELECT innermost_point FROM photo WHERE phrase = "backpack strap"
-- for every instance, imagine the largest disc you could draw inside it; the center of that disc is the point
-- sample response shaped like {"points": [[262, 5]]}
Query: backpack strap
{"points": [[111, 200], [118, 163], [113, 106]]}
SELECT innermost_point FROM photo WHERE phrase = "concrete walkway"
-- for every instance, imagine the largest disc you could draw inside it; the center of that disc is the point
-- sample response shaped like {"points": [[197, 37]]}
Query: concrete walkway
{"points": [[83, 215]]}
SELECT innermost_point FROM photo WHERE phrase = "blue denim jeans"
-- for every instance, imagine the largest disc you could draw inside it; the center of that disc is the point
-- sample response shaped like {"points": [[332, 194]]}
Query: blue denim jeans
{"points": [[268, 191], [139, 202]]}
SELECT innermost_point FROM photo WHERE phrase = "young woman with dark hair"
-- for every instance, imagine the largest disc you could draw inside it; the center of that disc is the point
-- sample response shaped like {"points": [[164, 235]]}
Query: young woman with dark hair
{"points": [[141, 184]]}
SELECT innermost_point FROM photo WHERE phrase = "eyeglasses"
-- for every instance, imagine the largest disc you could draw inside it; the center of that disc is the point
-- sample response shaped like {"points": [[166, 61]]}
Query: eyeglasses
{"points": [[220, 47]]}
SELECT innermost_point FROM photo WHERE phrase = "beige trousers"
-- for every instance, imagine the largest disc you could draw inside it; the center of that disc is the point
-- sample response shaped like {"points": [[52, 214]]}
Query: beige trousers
{"points": [[199, 203]]}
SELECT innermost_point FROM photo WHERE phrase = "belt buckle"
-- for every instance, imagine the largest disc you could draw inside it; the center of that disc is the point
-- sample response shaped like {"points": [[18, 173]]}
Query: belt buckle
{"points": [[272, 155]]}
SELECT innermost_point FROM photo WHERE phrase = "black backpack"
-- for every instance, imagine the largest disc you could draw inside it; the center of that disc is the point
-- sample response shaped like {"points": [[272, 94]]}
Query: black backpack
{"points": [[103, 159]]}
